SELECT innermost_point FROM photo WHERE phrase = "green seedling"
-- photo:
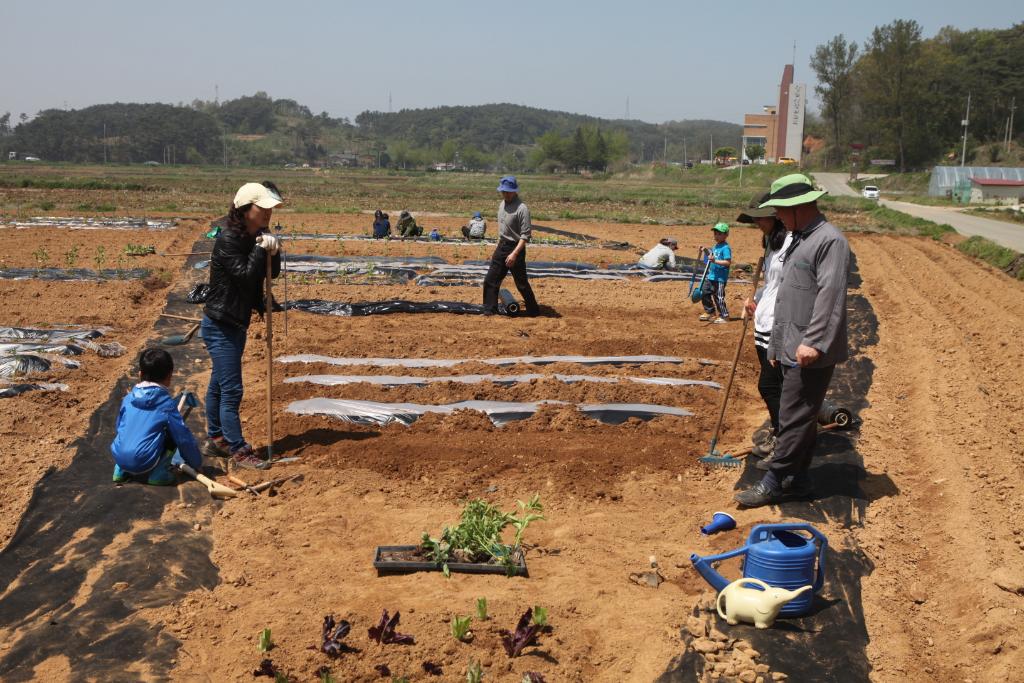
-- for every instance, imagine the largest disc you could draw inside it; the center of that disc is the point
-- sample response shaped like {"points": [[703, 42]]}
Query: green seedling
{"points": [[265, 641], [41, 256], [71, 256], [474, 672], [139, 249], [460, 627], [100, 258], [540, 616], [481, 609]]}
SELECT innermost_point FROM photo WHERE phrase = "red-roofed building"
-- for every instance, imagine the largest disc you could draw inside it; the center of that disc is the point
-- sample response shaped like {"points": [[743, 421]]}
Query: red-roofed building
{"points": [[996, 191]]}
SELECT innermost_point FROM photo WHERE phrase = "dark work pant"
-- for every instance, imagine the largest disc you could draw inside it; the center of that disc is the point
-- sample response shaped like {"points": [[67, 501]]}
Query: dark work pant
{"points": [[714, 296], [769, 384], [497, 272], [803, 390]]}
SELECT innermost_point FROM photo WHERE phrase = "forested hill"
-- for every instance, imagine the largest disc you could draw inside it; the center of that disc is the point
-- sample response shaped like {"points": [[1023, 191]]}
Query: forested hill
{"points": [[493, 127]]}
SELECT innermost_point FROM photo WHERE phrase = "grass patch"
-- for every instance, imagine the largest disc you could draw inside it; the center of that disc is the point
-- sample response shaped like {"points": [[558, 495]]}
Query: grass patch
{"points": [[1006, 260], [67, 184], [46, 206], [897, 221], [1007, 215]]}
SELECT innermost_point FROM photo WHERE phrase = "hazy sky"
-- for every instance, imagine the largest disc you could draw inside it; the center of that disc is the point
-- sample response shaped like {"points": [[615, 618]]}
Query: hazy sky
{"points": [[672, 59]]}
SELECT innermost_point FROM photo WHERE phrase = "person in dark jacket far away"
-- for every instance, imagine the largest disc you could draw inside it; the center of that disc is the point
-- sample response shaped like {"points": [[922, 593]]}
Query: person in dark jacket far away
{"points": [[237, 270], [513, 233], [381, 225], [151, 435], [808, 335]]}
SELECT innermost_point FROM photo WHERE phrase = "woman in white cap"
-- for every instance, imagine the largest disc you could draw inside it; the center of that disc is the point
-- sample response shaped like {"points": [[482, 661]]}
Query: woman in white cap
{"points": [[662, 256], [237, 270]]}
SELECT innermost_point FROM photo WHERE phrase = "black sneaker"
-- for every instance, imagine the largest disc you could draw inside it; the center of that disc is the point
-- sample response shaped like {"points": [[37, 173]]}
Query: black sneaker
{"points": [[758, 495], [761, 434], [217, 447]]}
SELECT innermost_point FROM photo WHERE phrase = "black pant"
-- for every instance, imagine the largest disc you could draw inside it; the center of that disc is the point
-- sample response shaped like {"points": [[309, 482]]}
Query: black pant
{"points": [[497, 272], [803, 391], [769, 384]]}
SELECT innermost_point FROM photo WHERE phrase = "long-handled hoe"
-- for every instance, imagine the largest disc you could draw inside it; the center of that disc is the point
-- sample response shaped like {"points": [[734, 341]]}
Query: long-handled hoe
{"points": [[714, 457]]}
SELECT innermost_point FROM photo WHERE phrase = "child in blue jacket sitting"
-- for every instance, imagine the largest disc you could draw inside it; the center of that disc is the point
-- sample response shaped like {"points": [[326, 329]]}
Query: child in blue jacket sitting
{"points": [[151, 434]]}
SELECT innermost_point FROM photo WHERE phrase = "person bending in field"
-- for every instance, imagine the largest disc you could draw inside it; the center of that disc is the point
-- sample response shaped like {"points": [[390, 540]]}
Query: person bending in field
{"points": [[720, 256], [407, 225], [476, 228], [151, 435], [662, 256]]}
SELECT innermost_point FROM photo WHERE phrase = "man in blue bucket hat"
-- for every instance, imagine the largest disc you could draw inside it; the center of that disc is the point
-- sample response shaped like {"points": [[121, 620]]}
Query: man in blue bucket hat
{"points": [[808, 335], [510, 254]]}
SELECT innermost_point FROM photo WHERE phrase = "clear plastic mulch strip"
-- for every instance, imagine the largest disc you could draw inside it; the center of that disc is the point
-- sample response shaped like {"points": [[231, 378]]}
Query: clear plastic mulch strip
{"points": [[23, 364], [51, 334], [451, 362], [499, 412], [336, 237], [403, 380], [12, 389], [64, 342], [82, 223]]}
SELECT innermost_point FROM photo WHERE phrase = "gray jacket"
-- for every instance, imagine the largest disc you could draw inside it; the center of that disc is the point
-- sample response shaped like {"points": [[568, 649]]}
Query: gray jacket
{"points": [[514, 221], [811, 305]]}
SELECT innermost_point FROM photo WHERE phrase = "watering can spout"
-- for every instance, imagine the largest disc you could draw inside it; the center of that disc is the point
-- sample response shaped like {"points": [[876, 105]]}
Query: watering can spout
{"points": [[703, 566]]}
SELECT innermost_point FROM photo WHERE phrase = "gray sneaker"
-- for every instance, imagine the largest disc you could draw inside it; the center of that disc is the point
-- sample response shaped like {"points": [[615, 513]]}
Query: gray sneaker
{"points": [[246, 458], [217, 447]]}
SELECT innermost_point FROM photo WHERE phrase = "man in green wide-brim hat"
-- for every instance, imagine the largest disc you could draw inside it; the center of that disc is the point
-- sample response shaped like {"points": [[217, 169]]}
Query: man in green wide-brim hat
{"points": [[808, 335]]}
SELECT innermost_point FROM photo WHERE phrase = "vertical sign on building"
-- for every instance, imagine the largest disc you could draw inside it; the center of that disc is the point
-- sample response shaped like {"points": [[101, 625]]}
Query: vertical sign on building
{"points": [[795, 121]]}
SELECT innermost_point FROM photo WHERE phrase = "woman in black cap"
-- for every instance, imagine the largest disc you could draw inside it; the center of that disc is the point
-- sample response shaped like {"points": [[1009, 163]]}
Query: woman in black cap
{"points": [[775, 239]]}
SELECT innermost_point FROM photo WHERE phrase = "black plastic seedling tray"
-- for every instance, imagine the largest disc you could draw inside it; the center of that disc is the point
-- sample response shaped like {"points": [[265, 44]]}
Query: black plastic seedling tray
{"points": [[405, 567]]}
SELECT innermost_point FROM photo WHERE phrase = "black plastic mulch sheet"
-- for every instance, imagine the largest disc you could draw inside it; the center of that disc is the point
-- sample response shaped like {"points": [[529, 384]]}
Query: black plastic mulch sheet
{"points": [[73, 274], [114, 536], [345, 309], [830, 643]]}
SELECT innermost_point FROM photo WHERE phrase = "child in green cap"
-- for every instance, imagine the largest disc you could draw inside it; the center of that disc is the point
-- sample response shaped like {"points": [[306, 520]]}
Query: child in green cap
{"points": [[720, 256]]}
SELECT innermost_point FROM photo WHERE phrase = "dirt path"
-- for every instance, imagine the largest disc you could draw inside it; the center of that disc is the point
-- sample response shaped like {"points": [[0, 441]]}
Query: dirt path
{"points": [[945, 425]]}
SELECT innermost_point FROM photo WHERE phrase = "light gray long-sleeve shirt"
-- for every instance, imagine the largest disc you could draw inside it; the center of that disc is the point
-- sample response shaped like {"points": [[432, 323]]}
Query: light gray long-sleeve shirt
{"points": [[810, 307], [514, 221]]}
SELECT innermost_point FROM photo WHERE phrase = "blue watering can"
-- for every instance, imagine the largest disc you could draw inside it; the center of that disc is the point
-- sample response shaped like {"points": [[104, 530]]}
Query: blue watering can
{"points": [[780, 558]]}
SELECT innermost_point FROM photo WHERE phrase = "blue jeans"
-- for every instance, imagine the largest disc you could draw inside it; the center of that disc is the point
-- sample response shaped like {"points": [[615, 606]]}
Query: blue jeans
{"points": [[225, 343]]}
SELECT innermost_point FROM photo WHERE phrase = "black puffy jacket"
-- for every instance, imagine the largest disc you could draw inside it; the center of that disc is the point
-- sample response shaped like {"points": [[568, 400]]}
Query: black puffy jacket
{"points": [[237, 270]]}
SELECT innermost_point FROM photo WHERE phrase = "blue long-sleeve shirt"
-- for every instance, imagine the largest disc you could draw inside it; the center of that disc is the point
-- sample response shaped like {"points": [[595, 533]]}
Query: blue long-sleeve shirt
{"points": [[147, 417]]}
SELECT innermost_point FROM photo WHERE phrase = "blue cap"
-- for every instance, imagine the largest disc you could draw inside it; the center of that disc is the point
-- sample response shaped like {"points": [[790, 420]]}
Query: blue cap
{"points": [[508, 184], [477, 215]]}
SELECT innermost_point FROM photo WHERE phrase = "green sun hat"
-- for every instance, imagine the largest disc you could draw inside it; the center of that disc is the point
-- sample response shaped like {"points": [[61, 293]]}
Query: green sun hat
{"points": [[721, 227], [792, 190], [754, 209]]}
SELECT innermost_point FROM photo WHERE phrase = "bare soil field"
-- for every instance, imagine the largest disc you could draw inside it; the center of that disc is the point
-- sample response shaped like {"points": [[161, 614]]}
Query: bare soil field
{"points": [[941, 600]]}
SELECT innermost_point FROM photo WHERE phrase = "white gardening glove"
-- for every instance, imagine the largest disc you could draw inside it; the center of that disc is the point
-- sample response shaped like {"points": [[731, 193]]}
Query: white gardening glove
{"points": [[268, 242]]}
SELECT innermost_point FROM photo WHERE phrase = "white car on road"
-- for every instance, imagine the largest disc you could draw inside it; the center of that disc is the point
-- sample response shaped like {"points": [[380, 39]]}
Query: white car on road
{"points": [[869, 192]]}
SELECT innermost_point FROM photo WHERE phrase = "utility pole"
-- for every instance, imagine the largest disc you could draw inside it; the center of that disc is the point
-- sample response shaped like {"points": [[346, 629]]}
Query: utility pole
{"points": [[684, 152], [711, 149], [665, 153], [627, 107], [104, 143], [1009, 126], [389, 101], [966, 121]]}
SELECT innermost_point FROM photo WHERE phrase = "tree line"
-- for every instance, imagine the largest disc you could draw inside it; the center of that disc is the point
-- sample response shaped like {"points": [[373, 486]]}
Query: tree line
{"points": [[903, 97], [261, 130]]}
